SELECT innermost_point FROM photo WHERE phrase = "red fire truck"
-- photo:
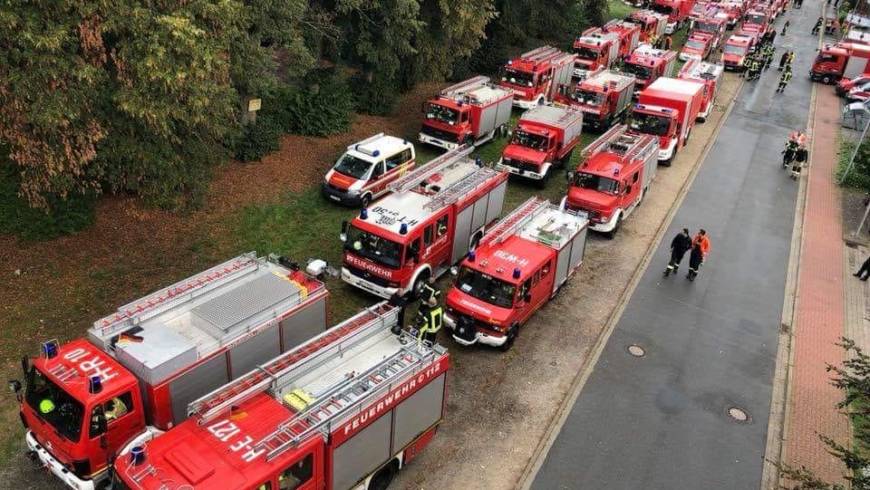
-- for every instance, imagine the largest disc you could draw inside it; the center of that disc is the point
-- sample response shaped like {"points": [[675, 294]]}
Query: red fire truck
{"points": [[468, 113], [516, 269], [697, 47], [647, 64], [628, 34], [736, 50], [840, 60], [677, 11], [535, 76], [346, 410], [595, 54], [544, 136], [708, 75], [616, 173], [668, 109], [713, 26], [141, 366], [434, 215], [757, 20], [652, 25], [604, 98]]}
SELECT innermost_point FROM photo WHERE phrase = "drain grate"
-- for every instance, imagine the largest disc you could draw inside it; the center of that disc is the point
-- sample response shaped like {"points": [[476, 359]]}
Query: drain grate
{"points": [[636, 350]]}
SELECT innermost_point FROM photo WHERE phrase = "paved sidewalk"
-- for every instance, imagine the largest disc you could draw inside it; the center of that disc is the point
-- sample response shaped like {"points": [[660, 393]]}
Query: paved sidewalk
{"points": [[820, 310]]}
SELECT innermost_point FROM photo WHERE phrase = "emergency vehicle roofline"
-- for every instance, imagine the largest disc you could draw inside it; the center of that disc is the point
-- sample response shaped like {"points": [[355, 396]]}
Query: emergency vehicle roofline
{"points": [[415, 177], [630, 146], [265, 376], [514, 221], [464, 87]]}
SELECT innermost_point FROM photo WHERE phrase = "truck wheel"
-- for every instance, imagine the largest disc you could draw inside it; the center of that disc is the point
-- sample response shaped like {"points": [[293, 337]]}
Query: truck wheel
{"points": [[511, 337], [612, 233], [383, 477], [414, 293], [826, 79], [365, 200], [541, 100]]}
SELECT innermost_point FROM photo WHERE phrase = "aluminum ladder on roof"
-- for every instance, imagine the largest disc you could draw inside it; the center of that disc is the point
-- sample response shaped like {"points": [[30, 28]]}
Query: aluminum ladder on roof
{"points": [[265, 375], [460, 188], [417, 176], [604, 140], [462, 88], [155, 303], [541, 53], [515, 221], [343, 397]]}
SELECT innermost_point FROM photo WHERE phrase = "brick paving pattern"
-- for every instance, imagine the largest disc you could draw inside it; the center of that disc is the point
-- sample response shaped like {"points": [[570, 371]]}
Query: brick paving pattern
{"points": [[819, 316]]}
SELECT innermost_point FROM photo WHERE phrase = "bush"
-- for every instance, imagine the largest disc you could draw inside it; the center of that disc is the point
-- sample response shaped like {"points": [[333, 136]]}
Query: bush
{"points": [[64, 216], [859, 176], [321, 105], [258, 139], [376, 97]]}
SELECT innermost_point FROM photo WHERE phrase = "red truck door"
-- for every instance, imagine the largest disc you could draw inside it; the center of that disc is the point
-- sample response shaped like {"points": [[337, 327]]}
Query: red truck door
{"points": [[536, 289], [632, 190], [436, 240], [123, 420]]}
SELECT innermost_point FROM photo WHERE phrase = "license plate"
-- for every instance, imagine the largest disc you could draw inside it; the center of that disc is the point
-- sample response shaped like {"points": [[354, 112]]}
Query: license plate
{"points": [[335, 198]]}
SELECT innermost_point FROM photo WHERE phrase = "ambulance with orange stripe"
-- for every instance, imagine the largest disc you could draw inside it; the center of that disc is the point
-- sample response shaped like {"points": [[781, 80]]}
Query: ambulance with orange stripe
{"points": [[133, 377], [365, 170]]}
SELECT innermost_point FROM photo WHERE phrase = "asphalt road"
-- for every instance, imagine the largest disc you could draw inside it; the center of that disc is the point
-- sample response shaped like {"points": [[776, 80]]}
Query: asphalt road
{"points": [[661, 421]]}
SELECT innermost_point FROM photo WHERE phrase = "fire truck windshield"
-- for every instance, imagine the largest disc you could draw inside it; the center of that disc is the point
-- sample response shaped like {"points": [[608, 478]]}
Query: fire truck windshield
{"points": [[352, 166], [755, 19], [486, 288], [589, 98], [373, 247], [54, 405], [735, 49], [441, 113], [639, 71], [650, 124], [695, 44], [585, 53], [529, 140], [707, 27], [596, 183], [517, 77]]}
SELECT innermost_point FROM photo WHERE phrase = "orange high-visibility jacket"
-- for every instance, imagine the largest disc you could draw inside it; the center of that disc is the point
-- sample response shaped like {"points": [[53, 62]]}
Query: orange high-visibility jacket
{"points": [[704, 241]]}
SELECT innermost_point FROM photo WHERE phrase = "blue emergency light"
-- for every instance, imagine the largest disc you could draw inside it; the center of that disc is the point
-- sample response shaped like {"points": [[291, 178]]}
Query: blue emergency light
{"points": [[137, 455], [517, 273], [95, 384], [403, 229], [363, 213], [376, 153], [471, 256], [49, 349]]}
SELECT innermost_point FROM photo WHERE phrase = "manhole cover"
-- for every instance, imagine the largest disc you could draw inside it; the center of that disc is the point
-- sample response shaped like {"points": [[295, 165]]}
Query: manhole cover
{"points": [[636, 350], [738, 414]]}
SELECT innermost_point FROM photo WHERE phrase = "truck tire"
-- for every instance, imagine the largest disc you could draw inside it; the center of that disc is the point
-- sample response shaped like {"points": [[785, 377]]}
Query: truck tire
{"points": [[414, 293], [512, 334], [365, 200], [827, 79], [382, 479], [612, 233]]}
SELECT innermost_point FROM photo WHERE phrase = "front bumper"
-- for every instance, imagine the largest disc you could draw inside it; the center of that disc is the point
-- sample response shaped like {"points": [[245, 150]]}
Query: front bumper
{"points": [[687, 57], [55, 466], [667, 153], [431, 140], [368, 286], [525, 104], [529, 174], [605, 226], [340, 197], [463, 338]]}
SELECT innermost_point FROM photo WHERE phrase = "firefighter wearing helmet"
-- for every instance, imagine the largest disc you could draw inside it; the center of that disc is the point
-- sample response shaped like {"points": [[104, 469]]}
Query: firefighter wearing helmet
{"points": [[430, 316]]}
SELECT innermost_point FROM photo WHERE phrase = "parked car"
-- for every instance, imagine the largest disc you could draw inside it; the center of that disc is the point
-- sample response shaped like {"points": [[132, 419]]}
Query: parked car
{"points": [[846, 84]]}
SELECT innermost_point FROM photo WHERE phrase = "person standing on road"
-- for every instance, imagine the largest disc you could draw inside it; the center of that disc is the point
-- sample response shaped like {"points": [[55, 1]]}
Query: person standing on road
{"points": [[768, 53], [864, 272], [784, 79], [818, 26], [783, 60], [700, 248], [785, 27], [679, 246]]}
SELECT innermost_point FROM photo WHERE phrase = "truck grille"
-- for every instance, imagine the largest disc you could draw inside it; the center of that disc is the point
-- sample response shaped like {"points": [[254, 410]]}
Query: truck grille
{"points": [[439, 134], [335, 188], [380, 281]]}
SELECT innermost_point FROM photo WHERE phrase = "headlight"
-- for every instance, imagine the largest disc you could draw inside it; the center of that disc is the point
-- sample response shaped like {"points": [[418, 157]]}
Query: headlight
{"points": [[353, 192]]}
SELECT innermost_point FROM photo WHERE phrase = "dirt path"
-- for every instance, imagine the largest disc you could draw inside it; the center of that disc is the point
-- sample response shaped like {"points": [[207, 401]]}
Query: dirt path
{"points": [[500, 405]]}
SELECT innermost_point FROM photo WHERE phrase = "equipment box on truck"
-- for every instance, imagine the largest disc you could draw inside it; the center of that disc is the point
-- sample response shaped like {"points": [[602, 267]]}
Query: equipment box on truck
{"points": [[604, 98], [668, 109], [366, 169], [515, 271], [141, 366], [616, 173], [535, 76], [346, 410], [468, 113], [708, 75], [543, 137], [433, 217]]}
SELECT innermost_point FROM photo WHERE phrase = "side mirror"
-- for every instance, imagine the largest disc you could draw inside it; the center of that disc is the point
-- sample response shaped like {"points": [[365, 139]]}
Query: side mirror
{"points": [[343, 235], [569, 176], [15, 386]]}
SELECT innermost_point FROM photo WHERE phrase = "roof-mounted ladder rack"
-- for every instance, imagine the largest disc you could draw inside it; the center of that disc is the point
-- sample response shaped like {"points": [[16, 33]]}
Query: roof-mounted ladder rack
{"points": [[419, 175], [539, 54], [514, 222], [462, 88], [636, 143], [344, 396], [265, 375], [460, 188], [138, 311]]}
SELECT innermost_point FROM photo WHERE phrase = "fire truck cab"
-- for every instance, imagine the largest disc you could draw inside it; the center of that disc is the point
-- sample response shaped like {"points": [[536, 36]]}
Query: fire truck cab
{"points": [[132, 379], [697, 47], [434, 215], [595, 53], [647, 64], [516, 269], [628, 34], [840, 60], [348, 409], [736, 50], [757, 20], [535, 76], [652, 25], [365, 170], [604, 98], [713, 26]]}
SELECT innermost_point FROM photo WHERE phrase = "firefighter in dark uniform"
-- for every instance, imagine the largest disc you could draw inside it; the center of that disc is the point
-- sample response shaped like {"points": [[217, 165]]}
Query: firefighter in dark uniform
{"points": [[768, 51], [784, 79], [679, 246], [430, 316]]}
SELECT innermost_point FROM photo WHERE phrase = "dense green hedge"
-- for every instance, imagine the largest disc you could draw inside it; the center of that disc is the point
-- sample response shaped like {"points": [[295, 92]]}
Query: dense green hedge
{"points": [[258, 139], [321, 105], [859, 176]]}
